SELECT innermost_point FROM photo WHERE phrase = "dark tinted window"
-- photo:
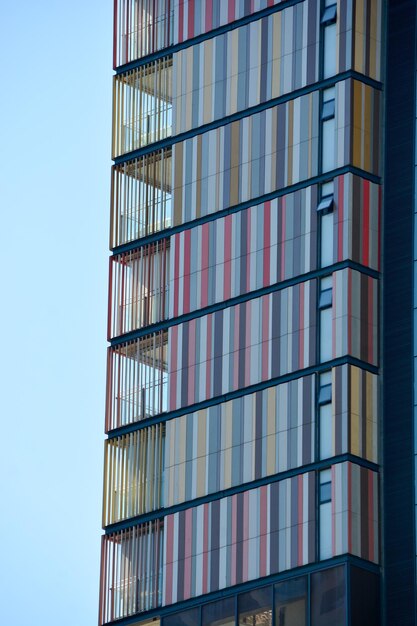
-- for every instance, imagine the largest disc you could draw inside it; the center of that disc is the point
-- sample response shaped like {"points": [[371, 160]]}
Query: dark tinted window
{"points": [[291, 602], [255, 607], [221, 613], [364, 589], [185, 618], [328, 597]]}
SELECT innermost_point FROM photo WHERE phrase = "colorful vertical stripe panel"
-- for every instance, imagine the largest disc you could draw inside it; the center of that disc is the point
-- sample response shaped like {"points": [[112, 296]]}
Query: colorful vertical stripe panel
{"points": [[357, 221], [358, 126], [239, 538], [250, 157], [238, 441], [138, 288], [355, 412], [355, 315], [246, 66], [358, 37], [242, 345], [141, 197], [247, 250], [140, 28], [133, 473], [142, 106], [355, 511], [131, 571], [137, 380], [367, 25], [195, 17]]}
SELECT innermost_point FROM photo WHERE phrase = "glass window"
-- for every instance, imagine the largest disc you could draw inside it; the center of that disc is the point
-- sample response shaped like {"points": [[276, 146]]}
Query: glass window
{"points": [[291, 602], [326, 238], [325, 504], [328, 597], [327, 159], [327, 188], [325, 306], [185, 618], [255, 607], [221, 613], [326, 431], [329, 68], [326, 348], [326, 283], [328, 108], [325, 384], [364, 590]]}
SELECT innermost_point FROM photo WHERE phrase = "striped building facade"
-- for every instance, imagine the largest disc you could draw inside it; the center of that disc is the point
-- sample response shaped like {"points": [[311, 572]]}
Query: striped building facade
{"points": [[242, 464]]}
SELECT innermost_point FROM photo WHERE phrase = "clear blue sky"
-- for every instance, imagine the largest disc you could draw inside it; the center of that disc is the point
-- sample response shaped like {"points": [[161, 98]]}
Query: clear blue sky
{"points": [[54, 197]]}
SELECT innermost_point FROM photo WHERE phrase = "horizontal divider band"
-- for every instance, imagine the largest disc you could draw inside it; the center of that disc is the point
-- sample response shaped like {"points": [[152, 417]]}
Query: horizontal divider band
{"points": [[318, 368], [260, 482]]}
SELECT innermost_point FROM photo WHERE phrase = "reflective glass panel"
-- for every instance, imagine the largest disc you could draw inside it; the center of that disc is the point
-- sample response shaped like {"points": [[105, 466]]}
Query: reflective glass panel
{"points": [[255, 607], [291, 602], [221, 613], [328, 597]]}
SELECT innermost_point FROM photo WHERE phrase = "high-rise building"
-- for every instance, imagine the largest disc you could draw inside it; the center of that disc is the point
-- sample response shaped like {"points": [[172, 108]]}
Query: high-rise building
{"points": [[259, 465]]}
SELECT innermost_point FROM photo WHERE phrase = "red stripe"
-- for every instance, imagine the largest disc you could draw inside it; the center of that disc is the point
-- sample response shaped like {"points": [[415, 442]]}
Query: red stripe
{"points": [[267, 244], [204, 264], [231, 11], [181, 21], [187, 270], [187, 553], [209, 15], [176, 242], [190, 19], [168, 39], [365, 227]]}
